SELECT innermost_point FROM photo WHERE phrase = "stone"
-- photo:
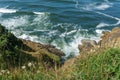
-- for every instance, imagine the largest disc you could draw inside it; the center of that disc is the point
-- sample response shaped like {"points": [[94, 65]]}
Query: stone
{"points": [[108, 40], [87, 45]]}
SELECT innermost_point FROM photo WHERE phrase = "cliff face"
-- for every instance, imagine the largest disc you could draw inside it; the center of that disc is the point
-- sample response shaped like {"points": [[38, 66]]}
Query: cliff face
{"points": [[108, 40], [93, 55], [14, 51]]}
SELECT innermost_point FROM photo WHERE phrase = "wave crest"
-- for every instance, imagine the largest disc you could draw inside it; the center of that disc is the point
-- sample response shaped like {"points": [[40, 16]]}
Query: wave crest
{"points": [[4, 10]]}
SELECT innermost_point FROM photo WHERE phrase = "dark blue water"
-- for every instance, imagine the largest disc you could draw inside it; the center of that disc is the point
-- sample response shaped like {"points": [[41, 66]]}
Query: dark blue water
{"points": [[62, 23]]}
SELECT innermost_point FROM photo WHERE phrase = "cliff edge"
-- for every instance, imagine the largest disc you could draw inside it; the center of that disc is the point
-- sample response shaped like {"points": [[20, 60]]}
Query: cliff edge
{"points": [[108, 40], [17, 52]]}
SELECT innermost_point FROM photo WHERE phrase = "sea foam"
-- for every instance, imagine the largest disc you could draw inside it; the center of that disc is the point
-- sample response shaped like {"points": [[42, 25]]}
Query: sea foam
{"points": [[4, 10], [12, 23], [100, 25], [103, 6], [38, 13], [95, 6], [42, 20]]}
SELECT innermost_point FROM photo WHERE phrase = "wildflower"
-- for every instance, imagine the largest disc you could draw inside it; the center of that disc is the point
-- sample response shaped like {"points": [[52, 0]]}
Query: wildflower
{"points": [[29, 64], [23, 67]]}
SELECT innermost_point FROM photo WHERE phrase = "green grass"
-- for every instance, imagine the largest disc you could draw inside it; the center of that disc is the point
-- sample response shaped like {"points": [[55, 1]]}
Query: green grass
{"points": [[101, 66]]}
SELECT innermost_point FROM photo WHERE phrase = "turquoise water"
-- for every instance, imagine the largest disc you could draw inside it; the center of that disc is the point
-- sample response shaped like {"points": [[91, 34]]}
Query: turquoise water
{"points": [[62, 23]]}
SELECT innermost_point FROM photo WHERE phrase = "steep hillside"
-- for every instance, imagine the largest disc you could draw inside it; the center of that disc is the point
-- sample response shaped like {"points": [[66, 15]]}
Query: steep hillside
{"points": [[16, 52]]}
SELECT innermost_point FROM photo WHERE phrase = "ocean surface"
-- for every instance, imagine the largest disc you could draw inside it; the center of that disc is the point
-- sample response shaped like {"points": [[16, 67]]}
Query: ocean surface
{"points": [[63, 23]]}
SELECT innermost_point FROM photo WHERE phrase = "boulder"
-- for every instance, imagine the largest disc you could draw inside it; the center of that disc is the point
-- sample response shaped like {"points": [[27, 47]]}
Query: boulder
{"points": [[38, 46], [86, 45], [44, 53], [111, 39], [108, 40]]}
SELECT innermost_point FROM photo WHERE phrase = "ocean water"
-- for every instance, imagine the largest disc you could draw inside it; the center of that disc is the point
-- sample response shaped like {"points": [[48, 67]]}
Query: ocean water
{"points": [[63, 23]]}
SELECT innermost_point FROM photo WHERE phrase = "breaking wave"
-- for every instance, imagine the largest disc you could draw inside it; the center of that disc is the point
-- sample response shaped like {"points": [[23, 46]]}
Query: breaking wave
{"points": [[59, 24], [5, 10]]}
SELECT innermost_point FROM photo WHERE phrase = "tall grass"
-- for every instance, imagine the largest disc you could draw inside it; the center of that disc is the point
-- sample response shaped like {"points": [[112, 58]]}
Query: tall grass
{"points": [[101, 66]]}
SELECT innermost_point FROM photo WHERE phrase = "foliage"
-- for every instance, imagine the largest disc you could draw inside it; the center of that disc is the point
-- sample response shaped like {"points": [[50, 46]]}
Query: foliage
{"points": [[102, 66]]}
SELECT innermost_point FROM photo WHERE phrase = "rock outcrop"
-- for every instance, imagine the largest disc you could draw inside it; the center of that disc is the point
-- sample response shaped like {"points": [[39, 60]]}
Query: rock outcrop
{"points": [[14, 51], [44, 53], [87, 45], [108, 40]]}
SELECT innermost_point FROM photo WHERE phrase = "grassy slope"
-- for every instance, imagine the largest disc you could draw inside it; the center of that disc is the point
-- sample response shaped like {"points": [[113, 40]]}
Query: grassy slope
{"points": [[14, 52], [103, 66], [10, 50]]}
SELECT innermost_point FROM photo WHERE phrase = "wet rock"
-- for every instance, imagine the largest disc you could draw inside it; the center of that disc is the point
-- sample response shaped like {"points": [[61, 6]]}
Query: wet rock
{"points": [[87, 45], [108, 40]]}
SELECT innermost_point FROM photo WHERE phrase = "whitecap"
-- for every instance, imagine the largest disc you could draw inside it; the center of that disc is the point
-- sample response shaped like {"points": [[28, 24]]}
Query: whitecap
{"points": [[63, 34], [108, 15], [38, 13], [71, 32], [103, 6], [41, 19], [12, 23], [99, 31], [105, 24], [41, 30], [100, 25], [4, 10], [29, 37]]}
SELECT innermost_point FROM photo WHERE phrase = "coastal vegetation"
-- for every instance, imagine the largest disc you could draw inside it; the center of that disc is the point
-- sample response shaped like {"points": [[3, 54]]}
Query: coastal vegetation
{"points": [[21, 61]]}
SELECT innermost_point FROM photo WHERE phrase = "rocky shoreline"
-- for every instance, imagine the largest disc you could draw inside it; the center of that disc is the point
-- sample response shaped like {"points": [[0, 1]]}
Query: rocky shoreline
{"points": [[91, 47], [18, 52], [14, 50], [108, 40], [44, 61]]}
